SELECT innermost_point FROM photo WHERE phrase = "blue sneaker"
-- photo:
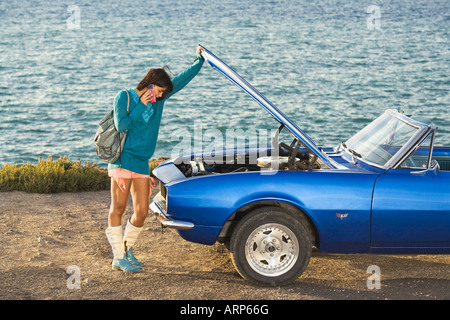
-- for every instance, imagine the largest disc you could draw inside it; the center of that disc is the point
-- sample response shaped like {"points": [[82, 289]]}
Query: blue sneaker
{"points": [[132, 259], [124, 265]]}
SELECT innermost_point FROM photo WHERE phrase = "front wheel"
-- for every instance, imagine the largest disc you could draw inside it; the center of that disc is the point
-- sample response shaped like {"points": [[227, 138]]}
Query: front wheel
{"points": [[269, 246]]}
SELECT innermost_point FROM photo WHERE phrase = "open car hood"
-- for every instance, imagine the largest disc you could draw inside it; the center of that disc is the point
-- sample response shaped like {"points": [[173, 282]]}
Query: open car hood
{"points": [[234, 77]]}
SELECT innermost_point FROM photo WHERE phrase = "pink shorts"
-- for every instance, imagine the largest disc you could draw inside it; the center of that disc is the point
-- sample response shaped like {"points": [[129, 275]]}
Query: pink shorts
{"points": [[119, 175]]}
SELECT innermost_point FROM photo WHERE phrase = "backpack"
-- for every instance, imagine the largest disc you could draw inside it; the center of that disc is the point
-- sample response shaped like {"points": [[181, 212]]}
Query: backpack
{"points": [[108, 141]]}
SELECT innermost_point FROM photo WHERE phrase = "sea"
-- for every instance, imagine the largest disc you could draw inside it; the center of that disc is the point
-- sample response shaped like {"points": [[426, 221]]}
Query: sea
{"points": [[331, 66]]}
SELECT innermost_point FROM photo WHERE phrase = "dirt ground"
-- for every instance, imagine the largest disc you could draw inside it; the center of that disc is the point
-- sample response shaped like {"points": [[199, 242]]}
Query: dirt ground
{"points": [[42, 236]]}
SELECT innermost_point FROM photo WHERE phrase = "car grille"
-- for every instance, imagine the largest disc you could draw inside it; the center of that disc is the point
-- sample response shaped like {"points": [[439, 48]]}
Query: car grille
{"points": [[163, 190]]}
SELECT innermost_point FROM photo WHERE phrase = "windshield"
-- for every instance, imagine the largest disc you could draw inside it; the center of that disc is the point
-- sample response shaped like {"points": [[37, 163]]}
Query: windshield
{"points": [[381, 140]]}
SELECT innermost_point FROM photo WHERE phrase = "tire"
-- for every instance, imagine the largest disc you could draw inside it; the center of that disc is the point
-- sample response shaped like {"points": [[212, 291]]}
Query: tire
{"points": [[270, 247]]}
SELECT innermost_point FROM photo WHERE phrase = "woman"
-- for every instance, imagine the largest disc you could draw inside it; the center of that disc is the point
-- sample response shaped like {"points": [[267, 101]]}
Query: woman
{"points": [[131, 172]]}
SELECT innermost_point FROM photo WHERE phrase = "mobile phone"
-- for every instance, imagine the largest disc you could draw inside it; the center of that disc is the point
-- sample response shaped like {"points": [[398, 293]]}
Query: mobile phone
{"points": [[152, 94]]}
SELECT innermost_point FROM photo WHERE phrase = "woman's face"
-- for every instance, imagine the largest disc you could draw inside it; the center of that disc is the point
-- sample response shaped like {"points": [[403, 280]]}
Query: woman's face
{"points": [[159, 91]]}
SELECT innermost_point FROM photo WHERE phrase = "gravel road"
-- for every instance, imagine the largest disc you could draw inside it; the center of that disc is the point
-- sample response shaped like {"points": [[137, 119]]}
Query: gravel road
{"points": [[50, 241]]}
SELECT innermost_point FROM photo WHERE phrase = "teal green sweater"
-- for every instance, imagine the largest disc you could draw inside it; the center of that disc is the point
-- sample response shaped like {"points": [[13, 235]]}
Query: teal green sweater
{"points": [[143, 123]]}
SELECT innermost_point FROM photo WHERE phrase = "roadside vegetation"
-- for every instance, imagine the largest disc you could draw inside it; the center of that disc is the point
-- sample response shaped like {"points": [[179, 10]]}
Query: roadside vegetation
{"points": [[54, 176], [49, 176]]}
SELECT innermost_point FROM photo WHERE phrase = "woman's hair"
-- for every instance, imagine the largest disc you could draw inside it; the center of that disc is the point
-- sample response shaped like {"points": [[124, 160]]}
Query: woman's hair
{"points": [[159, 77]]}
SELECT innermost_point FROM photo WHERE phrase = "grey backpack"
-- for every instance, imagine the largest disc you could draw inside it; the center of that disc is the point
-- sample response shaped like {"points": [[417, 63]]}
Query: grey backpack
{"points": [[108, 141]]}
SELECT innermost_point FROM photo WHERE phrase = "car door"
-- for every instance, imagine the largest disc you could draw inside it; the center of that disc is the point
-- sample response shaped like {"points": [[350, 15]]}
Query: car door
{"points": [[411, 212]]}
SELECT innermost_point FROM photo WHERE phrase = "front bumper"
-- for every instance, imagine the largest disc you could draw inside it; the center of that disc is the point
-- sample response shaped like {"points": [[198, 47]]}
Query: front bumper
{"points": [[158, 207]]}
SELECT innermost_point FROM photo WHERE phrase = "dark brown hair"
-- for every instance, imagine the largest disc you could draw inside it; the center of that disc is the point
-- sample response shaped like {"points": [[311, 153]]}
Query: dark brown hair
{"points": [[159, 77]]}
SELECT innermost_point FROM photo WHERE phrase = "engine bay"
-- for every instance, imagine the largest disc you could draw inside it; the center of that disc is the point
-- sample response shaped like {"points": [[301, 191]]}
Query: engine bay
{"points": [[279, 157]]}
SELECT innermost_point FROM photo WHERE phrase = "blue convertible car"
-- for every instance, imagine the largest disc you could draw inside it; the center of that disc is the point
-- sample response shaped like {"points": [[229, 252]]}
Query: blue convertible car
{"points": [[385, 190]]}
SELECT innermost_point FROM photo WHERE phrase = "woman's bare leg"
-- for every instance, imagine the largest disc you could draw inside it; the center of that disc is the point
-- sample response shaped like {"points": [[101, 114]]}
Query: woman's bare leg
{"points": [[119, 199], [140, 193]]}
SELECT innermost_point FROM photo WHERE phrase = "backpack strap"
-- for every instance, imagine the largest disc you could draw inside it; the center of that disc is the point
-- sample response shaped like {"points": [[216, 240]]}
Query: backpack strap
{"points": [[128, 110], [128, 101]]}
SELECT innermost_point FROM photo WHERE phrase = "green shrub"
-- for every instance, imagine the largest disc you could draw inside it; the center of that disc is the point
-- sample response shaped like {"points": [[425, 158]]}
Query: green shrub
{"points": [[49, 176], [62, 175]]}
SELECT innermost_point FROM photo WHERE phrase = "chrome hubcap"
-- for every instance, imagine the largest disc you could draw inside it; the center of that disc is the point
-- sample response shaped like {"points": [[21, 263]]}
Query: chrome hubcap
{"points": [[272, 249]]}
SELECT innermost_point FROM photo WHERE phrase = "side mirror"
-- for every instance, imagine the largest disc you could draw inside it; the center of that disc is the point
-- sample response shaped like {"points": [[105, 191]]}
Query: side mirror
{"points": [[435, 167]]}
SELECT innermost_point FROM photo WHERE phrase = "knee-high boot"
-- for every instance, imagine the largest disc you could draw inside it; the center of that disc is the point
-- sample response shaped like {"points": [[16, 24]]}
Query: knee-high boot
{"points": [[129, 239], [120, 261]]}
